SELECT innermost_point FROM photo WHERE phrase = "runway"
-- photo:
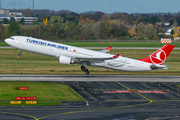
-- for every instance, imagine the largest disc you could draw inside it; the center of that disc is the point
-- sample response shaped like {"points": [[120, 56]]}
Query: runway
{"points": [[128, 78], [110, 97]]}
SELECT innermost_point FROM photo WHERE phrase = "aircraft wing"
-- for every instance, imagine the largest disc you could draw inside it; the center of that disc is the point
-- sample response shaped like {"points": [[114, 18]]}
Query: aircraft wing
{"points": [[106, 50], [93, 59]]}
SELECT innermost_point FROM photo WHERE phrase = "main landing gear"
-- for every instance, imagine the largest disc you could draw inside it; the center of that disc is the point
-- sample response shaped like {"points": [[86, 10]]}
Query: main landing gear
{"points": [[83, 68], [19, 54]]}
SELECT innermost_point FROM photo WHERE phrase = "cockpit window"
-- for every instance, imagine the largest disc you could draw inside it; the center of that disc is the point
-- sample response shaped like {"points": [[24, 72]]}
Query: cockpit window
{"points": [[12, 38]]}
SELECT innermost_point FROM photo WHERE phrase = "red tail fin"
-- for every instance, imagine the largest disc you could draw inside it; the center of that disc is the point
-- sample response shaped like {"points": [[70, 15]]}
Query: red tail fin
{"points": [[159, 56]]}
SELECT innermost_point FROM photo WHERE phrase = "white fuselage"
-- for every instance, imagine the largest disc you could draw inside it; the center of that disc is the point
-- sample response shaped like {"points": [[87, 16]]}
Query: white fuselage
{"points": [[56, 50]]}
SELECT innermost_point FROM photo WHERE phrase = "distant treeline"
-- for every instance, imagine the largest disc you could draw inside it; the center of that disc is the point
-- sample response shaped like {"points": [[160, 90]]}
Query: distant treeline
{"points": [[65, 24]]}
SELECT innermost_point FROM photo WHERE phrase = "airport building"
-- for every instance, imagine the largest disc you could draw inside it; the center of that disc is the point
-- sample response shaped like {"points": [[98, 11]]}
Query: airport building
{"points": [[5, 14], [27, 20]]}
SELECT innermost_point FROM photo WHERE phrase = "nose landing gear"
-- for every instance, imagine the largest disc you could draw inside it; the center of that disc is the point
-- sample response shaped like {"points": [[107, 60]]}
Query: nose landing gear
{"points": [[83, 68], [19, 54]]}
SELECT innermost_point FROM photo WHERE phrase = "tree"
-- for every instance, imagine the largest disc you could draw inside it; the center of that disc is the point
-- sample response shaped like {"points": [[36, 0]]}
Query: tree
{"points": [[156, 37], [171, 21], [27, 13], [132, 31], [35, 23], [71, 30], [22, 21], [74, 14], [56, 19], [71, 18], [63, 13], [14, 28], [120, 16], [12, 19], [1, 32], [178, 20], [105, 18], [5, 34], [5, 21], [152, 20], [97, 16], [148, 30], [89, 15], [162, 25], [139, 19], [105, 29], [146, 19], [83, 16], [95, 30], [129, 20], [86, 21], [172, 32], [140, 29]]}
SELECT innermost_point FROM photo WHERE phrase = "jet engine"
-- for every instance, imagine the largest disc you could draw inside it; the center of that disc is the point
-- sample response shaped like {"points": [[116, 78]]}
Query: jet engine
{"points": [[65, 60]]}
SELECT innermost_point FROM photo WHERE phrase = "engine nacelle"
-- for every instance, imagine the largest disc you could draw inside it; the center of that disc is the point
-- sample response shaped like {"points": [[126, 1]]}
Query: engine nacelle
{"points": [[65, 60]]}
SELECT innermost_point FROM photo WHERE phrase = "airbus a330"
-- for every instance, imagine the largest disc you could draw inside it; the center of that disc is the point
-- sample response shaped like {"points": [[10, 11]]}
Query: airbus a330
{"points": [[67, 54]]}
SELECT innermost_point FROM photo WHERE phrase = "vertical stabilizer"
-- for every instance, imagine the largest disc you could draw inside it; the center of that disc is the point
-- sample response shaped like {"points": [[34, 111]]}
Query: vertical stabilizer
{"points": [[159, 56]]}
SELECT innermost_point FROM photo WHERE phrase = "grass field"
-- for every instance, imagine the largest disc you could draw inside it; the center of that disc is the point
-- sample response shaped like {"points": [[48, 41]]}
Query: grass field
{"points": [[46, 93], [113, 44], [30, 63], [117, 44], [4, 44]]}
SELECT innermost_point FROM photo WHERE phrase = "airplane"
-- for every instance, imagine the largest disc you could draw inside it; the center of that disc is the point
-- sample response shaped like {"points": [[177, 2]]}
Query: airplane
{"points": [[67, 54]]}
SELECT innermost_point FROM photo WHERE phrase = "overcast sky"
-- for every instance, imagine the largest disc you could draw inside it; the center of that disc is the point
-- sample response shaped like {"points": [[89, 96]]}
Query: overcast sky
{"points": [[129, 6]]}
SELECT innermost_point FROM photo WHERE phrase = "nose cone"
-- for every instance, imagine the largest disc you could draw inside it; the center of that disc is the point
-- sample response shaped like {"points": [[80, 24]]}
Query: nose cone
{"points": [[7, 40]]}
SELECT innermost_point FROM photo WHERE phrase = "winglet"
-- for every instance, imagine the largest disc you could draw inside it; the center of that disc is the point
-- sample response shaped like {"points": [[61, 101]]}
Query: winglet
{"points": [[109, 48], [106, 50], [116, 56]]}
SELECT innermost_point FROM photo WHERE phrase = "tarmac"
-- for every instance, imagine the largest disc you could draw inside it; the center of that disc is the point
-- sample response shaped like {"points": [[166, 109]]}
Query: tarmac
{"points": [[115, 98]]}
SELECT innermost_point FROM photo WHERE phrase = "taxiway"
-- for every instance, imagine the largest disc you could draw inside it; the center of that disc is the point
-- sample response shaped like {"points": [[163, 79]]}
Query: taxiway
{"points": [[111, 97]]}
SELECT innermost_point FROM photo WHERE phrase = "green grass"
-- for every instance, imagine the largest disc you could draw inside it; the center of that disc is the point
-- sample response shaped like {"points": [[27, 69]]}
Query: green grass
{"points": [[23, 103], [117, 44], [46, 93], [113, 44], [3, 44], [30, 63]]}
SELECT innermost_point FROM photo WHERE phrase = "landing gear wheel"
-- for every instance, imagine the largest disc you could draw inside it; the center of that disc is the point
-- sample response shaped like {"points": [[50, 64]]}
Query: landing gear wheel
{"points": [[19, 54], [87, 71], [83, 68]]}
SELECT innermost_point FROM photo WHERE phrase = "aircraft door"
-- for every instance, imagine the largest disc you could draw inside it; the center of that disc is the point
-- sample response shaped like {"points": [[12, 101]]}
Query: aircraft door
{"points": [[19, 40]]}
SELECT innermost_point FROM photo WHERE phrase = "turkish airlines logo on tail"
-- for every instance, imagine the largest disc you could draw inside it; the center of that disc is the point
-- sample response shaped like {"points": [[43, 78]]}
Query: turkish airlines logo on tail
{"points": [[158, 57]]}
